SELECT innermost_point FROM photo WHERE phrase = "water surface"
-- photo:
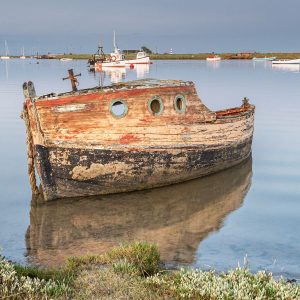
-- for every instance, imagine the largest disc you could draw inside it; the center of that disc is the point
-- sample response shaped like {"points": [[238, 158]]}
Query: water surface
{"points": [[251, 210]]}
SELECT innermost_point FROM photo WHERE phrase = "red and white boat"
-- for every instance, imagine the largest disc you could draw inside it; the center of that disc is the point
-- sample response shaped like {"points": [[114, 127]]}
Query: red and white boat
{"points": [[100, 66], [213, 58], [116, 59]]}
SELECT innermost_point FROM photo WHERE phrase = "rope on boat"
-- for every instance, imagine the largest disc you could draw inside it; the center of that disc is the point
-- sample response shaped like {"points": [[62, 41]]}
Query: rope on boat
{"points": [[30, 153]]}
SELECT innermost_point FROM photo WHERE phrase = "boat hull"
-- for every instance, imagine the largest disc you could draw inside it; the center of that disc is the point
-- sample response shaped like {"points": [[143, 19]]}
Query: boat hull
{"points": [[99, 66], [138, 61], [263, 58], [71, 172], [213, 58]]}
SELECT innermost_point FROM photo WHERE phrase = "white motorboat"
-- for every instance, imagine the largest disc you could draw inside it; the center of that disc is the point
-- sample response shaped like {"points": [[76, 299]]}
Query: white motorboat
{"points": [[286, 61], [141, 58], [213, 58], [264, 58], [66, 59]]}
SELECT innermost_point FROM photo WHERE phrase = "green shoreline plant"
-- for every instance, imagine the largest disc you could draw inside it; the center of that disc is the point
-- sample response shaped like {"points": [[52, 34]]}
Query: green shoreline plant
{"points": [[134, 271]]}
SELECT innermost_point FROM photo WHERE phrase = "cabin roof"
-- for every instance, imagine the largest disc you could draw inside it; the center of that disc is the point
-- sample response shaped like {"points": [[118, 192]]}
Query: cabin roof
{"points": [[135, 84]]}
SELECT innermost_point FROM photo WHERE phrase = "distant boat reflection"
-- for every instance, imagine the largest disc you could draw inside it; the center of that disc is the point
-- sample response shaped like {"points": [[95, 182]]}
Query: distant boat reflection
{"points": [[142, 70], [6, 63], [116, 74], [213, 64], [177, 218], [295, 68]]}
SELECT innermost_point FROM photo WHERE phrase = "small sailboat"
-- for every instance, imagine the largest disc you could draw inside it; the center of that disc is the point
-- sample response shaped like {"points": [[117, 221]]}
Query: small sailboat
{"points": [[23, 54], [6, 56]]}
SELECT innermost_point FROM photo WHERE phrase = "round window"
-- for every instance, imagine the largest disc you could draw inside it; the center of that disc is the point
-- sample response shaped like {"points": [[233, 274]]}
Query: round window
{"points": [[118, 108], [155, 106], [180, 104]]}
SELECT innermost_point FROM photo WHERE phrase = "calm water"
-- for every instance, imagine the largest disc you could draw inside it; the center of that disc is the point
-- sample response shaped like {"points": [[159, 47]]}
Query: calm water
{"points": [[251, 210]]}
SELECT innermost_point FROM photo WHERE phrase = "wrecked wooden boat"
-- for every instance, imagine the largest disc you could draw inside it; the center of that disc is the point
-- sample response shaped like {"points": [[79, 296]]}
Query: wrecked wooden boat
{"points": [[130, 136]]}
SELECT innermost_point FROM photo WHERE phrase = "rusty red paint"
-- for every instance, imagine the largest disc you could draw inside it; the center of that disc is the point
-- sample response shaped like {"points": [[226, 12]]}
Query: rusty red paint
{"points": [[231, 111], [128, 139], [84, 98]]}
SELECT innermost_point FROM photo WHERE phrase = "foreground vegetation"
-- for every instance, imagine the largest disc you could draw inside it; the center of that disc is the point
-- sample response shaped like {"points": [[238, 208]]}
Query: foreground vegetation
{"points": [[133, 271]]}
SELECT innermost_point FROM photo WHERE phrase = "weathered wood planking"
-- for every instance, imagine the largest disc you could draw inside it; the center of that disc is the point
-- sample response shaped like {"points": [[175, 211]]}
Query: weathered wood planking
{"points": [[82, 149]]}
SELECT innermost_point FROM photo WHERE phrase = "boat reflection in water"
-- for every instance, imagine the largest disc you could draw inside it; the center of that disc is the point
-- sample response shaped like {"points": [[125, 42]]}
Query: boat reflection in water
{"points": [[119, 74], [176, 218], [213, 64], [142, 71], [295, 68], [116, 74]]}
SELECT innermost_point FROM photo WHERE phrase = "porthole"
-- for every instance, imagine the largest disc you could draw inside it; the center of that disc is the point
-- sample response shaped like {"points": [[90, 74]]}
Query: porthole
{"points": [[180, 104], [118, 108], [156, 106]]}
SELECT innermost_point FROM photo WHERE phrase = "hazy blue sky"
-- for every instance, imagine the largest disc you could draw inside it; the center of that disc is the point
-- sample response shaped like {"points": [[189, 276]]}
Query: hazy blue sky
{"points": [[183, 25]]}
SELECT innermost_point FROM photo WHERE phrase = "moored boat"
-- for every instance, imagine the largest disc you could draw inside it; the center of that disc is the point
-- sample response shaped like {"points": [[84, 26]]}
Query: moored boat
{"points": [[213, 58], [141, 58], [66, 59], [264, 58], [101, 65], [116, 59], [286, 61], [130, 136]]}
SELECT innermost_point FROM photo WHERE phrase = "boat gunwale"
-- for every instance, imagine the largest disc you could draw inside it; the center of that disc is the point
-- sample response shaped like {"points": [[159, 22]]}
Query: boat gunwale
{"points": [[234, 111], [124, 86]]}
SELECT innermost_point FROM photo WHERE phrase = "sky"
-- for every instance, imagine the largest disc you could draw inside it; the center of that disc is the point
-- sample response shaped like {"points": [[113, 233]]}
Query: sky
{"points": [[186, 26]]}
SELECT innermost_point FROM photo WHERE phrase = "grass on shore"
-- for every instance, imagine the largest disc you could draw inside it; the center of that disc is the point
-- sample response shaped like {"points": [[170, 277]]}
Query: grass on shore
{"points": [[195, 56], [133, 271]]}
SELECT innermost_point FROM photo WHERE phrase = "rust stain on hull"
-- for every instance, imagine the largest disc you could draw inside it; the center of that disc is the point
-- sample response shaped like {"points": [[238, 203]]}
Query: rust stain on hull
{"points": [[82, 149]]}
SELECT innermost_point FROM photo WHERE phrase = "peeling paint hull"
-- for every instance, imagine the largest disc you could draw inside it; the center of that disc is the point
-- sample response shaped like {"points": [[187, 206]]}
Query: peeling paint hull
{"points": [[114, 171], [81, 149]]}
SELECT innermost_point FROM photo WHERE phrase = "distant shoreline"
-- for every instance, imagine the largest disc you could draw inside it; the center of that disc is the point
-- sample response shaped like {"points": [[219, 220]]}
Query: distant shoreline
{"points": [[184, 56]]}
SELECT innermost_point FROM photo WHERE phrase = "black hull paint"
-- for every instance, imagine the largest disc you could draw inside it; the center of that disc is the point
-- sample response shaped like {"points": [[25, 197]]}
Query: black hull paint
{"points": [[70, 172]]}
